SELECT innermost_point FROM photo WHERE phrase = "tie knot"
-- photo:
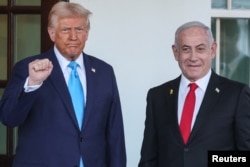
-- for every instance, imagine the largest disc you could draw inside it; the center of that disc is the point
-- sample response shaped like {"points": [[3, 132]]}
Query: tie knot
{"points": [[193, 86], [73, 65]]}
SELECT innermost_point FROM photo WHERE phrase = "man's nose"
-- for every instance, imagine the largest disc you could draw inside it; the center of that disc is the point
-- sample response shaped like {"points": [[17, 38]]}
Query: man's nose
{"points": [[73, 34]]}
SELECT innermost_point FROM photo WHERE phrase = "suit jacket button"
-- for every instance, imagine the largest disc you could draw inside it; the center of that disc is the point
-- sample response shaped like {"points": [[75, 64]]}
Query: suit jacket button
{"points": [[186, 149], [81, 139]]}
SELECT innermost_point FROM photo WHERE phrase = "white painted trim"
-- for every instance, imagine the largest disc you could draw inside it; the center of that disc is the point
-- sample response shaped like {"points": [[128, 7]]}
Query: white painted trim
{"points": [[217, 39], [222, 13]]}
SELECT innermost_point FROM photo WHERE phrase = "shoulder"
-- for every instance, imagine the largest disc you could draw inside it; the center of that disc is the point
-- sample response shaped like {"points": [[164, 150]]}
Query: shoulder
{"points": [[228, 84], [95, 61], [171, 83], [224, 80], [97, 65], [169, 87]]}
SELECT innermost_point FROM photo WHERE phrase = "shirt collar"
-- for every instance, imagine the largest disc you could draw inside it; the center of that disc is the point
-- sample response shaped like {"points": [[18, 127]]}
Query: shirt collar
{"points": [[202, 82], [63, 62]]}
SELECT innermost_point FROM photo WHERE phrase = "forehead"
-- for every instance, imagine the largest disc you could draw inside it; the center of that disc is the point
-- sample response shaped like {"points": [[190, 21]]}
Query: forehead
{"points": [[72, 21], [193, 36]]}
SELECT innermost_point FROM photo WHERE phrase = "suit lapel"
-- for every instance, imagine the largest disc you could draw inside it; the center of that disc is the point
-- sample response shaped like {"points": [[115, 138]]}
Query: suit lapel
{"points": [[59, 84], [91, 72], [173, 92], [211, 96]]}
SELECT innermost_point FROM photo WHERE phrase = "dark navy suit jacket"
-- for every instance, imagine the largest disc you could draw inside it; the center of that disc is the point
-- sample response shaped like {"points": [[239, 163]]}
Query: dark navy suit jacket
{"points": [[48, 134], [223, 123]]}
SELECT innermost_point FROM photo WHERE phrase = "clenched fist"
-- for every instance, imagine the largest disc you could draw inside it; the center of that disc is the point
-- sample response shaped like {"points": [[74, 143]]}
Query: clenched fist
{"points": [[39, 70]]}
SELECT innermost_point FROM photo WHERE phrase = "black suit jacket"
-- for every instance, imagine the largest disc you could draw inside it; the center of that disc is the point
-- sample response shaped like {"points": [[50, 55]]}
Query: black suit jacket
{"points": [[223, 123]]}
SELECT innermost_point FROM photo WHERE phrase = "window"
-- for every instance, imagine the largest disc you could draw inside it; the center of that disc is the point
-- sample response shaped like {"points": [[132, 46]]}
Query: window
{"points": [[230, 4], [231, 27]]}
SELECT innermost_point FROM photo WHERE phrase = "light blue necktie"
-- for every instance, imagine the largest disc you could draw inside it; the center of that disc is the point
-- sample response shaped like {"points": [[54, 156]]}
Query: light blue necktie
{"points": [[77, 96]]}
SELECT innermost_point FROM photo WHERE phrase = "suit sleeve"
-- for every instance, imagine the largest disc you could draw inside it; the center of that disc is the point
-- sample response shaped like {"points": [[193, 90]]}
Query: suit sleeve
{"points": [[149, 144], [242, 120], [116, 138], [15, 104]]}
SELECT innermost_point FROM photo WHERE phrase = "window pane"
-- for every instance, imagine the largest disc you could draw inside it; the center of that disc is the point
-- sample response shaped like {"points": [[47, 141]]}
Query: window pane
{"points": [[234, 52], [3, 2], [219, 4], [27, 38], [15, 139], [213, 28], [3, 47], [3, 132], [1, 92], [28, 2], [3, 141], [240, 4]]}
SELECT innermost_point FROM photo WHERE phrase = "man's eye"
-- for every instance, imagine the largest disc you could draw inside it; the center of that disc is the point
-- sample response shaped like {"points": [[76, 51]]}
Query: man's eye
{"points": [[185, 49], [80, 29], [201, 49], [65, 30]]}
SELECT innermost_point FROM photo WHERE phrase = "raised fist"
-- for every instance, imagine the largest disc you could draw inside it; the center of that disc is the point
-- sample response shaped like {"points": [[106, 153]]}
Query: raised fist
{"points": [[39, 70]]}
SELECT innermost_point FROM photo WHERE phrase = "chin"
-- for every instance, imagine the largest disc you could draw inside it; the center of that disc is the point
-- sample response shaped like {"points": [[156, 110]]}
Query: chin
{"points": [[74, 54], [193, 77]]}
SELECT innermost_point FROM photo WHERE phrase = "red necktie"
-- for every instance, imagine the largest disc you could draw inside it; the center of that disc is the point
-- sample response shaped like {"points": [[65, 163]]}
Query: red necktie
{"points": [[187, 113]]}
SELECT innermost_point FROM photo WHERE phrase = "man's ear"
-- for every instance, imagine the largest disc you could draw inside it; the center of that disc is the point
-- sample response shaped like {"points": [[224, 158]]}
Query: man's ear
{"points": [[51, 32], [175, 52], [213, 49]]}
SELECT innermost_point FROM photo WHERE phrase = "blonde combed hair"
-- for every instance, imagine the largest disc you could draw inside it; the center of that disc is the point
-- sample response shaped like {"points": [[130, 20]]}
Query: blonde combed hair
{"points": [[65, 10]]}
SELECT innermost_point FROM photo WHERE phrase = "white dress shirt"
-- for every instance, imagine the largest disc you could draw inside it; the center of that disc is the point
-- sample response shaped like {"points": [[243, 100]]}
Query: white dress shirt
{"points": [[199, 93]]}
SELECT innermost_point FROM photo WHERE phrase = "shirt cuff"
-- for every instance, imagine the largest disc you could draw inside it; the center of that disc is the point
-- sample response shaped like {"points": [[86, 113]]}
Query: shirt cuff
{"points": [[28, 89]]}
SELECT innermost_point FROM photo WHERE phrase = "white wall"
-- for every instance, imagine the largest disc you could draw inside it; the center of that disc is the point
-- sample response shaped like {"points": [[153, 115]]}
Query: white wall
{"points": [[135, 37]]}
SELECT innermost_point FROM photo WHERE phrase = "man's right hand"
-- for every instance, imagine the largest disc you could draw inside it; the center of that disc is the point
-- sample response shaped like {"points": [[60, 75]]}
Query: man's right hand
{"points": [[39, 70]]}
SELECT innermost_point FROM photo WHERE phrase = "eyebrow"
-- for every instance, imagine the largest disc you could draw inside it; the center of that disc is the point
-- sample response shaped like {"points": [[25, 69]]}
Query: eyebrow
{"points": [[202, 44]]}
